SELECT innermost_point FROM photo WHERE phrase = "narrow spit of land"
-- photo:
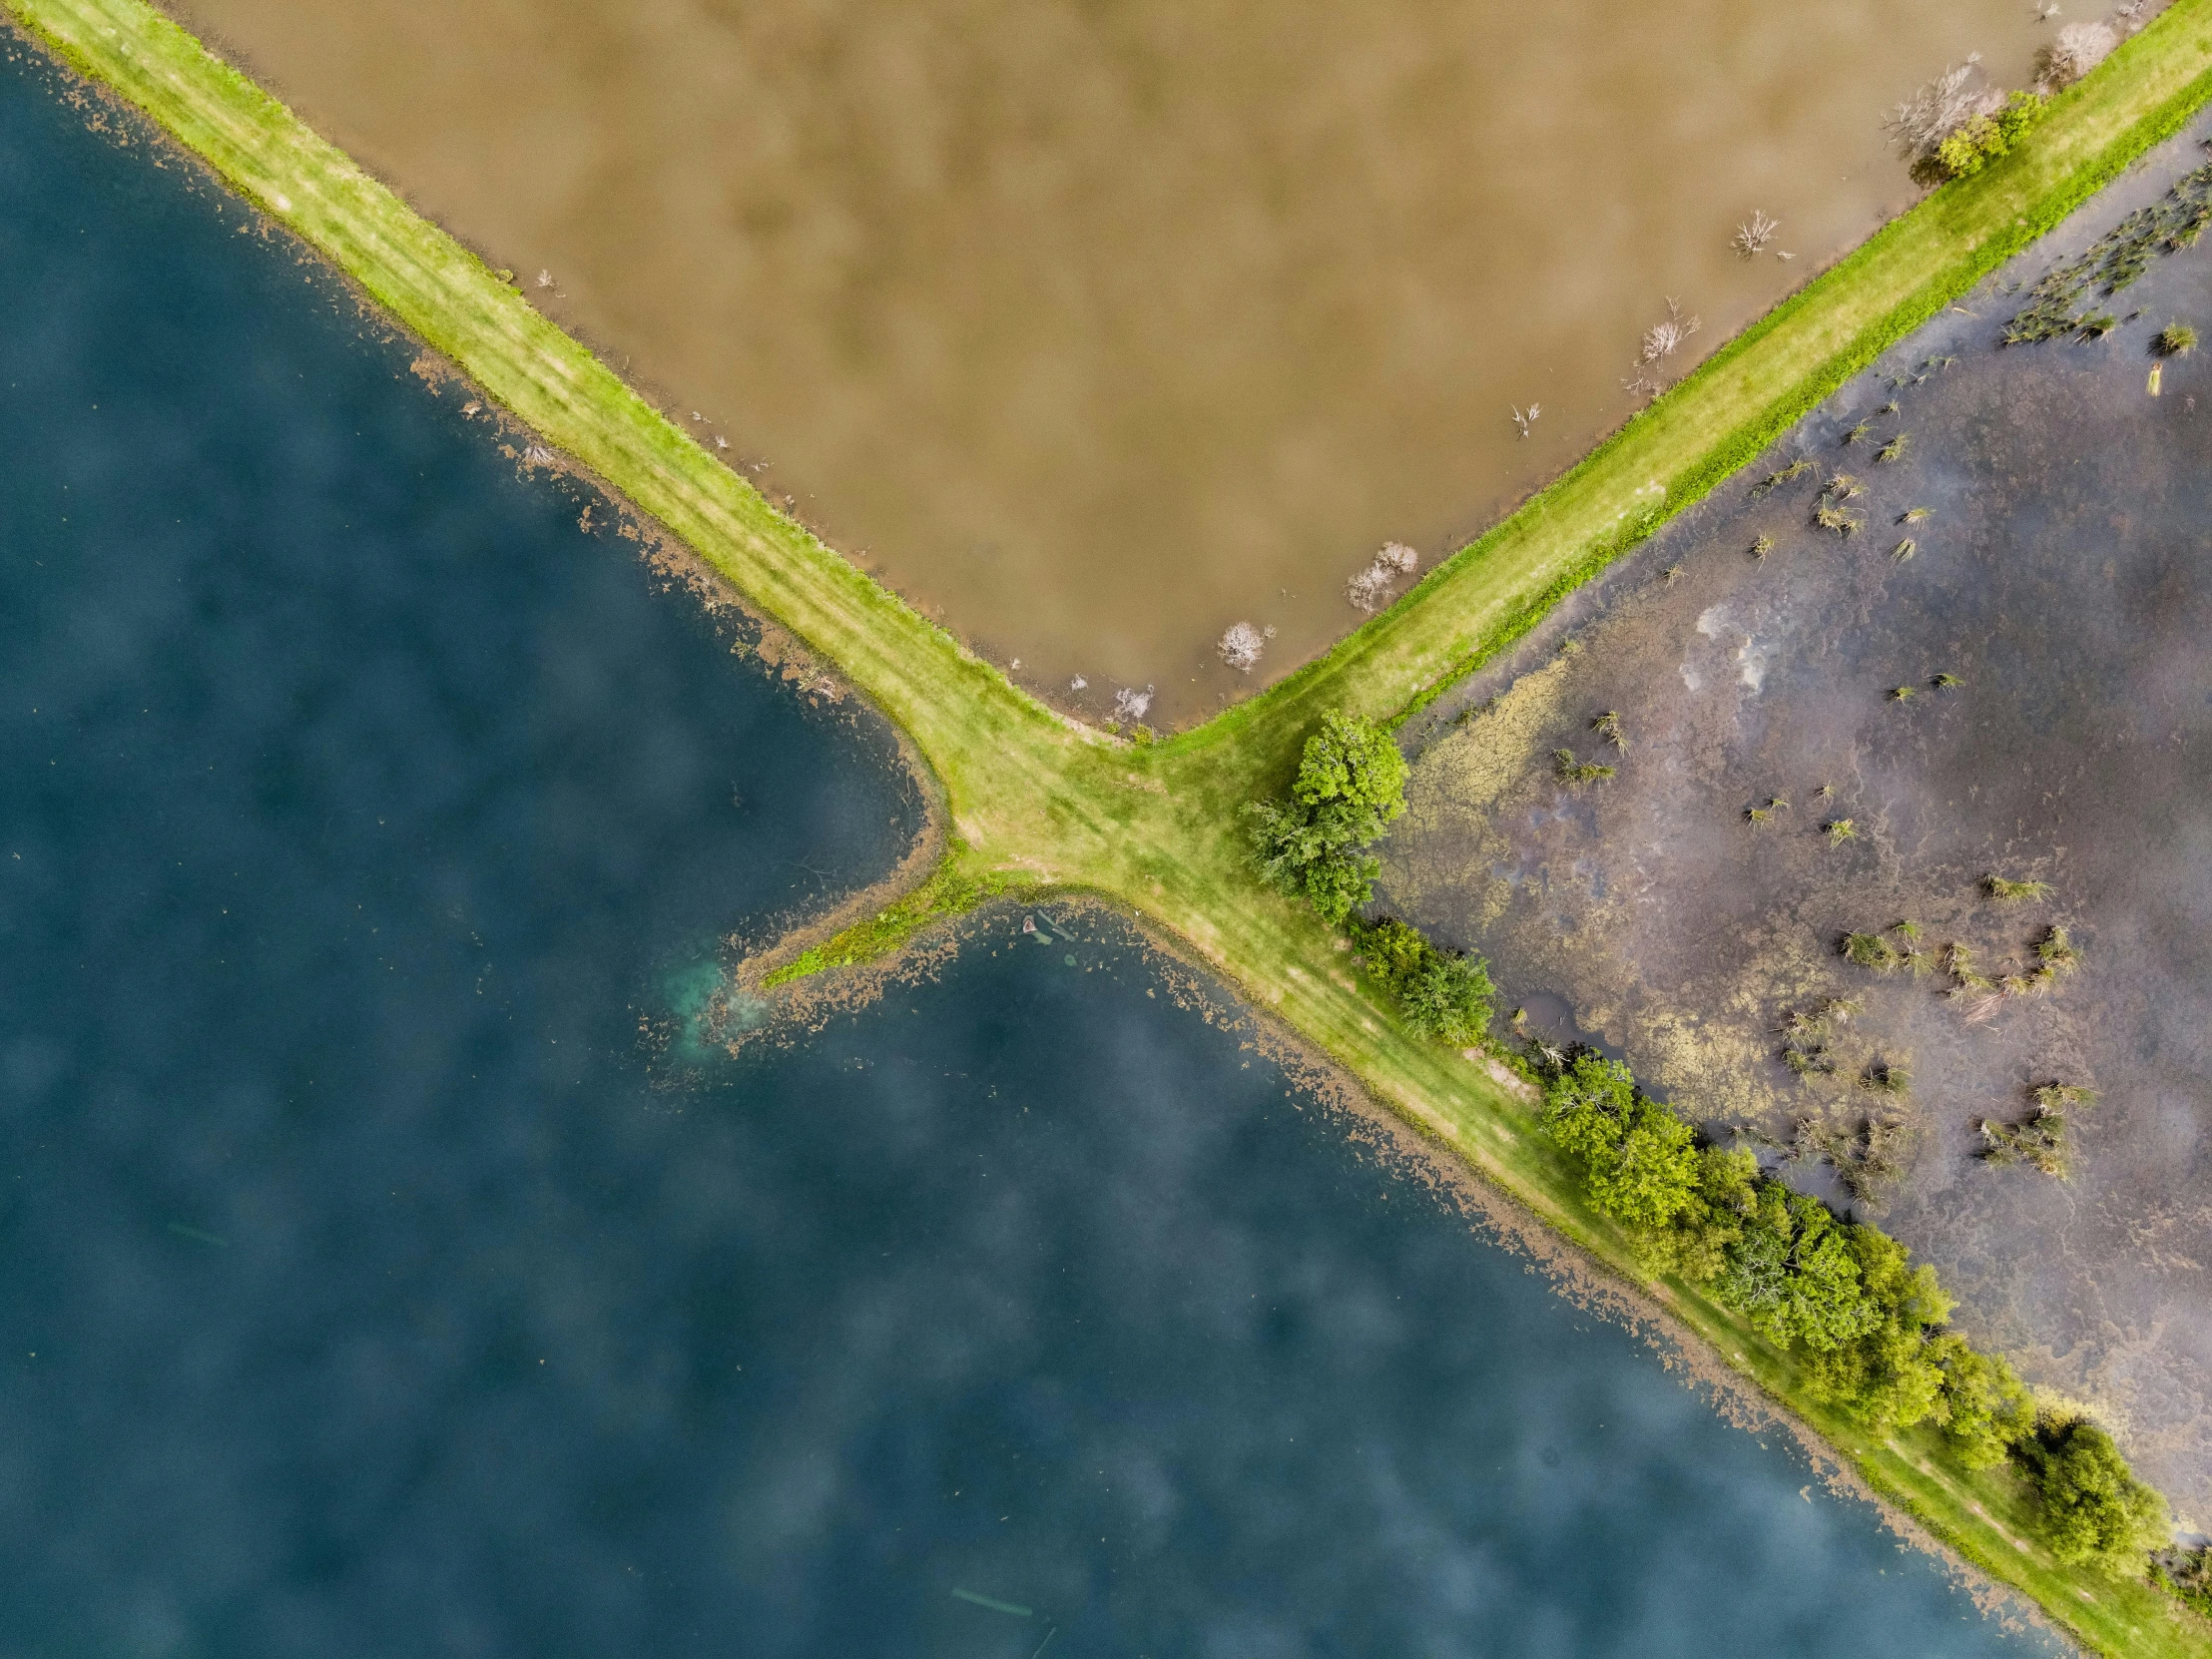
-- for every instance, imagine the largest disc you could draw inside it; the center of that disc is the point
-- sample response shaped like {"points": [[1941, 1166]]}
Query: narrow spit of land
{"points": [[1035, 800]]}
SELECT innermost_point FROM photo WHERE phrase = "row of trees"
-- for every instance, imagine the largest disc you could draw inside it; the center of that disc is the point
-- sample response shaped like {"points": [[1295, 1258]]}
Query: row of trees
{"points": [[1869, 1328], [1312, 844]]}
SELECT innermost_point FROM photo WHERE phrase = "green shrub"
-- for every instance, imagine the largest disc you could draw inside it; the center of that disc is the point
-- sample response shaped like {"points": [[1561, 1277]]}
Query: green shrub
{"points": [[1983, 1408], [1449, 998], [1639, 1161], [1440, 993], [1888, 1377], [1982, 139], [1870, 1322], [1794, 1272], [1394, 950], [2187, 1576], [1350, 785], [2093, 1510]]}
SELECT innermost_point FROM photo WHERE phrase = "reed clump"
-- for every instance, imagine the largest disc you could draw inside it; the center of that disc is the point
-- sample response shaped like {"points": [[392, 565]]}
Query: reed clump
{"points": [[1570, 770], [2055, 304], [1774, 480], [2006, 892]]}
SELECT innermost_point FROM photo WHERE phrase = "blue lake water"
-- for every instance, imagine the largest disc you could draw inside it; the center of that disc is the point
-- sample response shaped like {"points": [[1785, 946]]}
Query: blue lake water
{"points": [[362, 1293]]}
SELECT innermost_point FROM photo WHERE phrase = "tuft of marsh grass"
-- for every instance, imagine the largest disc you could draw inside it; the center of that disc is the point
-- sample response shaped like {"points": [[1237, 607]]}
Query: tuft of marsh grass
{"points": [[1796, 469], [2013, 893], [1894, 449], [2038, 1141], [1947, 681], [1872, 951], [1859, 431], [2176, 339], [1762, 546], [1967, 981], [1570, 770], [1887, 1077], [1904, 550], [1608, 727], [2055, 951], [1904, 694], [1828, 516], [1842, 487], [1839, 831], [2056, 1096], [1916, 515]]}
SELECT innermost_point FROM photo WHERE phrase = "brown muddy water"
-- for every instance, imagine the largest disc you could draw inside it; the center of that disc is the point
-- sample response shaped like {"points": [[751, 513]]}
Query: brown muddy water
{"points": [[1095, 327], [2065, 575]]}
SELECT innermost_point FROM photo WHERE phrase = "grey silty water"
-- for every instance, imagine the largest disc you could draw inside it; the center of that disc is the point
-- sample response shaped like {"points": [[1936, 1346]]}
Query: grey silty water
{"points": [[363, 1292]]}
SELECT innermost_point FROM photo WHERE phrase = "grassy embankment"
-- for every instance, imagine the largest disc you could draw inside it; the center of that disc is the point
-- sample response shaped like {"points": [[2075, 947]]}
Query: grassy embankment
{"points": [[1038, 800]]}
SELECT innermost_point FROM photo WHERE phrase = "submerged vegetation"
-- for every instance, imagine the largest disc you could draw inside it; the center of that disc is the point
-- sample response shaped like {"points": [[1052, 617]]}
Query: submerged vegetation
{"points": [[2054, 309], [2039, 1140], [1570, 770]]}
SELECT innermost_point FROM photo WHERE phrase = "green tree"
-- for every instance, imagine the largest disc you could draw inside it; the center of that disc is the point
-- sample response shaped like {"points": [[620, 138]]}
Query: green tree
{"points": [[1350, 785], [1793, 1269], [1888, 1376], [1395, 951], [2094, 1510], [1983, 1408], [1449, 997], [1984, 139], [1639, 1161]]}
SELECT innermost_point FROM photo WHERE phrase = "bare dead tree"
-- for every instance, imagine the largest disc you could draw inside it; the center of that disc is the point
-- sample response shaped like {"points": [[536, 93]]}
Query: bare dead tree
{"points": [[1664, 339], [1240, 645], [1921, 123], [2077, 49], [1373, 587], [1753, 234]]}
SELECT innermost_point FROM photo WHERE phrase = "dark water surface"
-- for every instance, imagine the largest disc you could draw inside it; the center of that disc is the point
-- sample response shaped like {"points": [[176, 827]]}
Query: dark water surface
{"points": [[361, 1294]]}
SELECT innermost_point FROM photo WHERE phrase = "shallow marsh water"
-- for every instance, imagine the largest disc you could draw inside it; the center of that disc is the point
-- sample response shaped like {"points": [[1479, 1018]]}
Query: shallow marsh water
{"points": [[1095, 328], [2065, 577], [364, 1296]]}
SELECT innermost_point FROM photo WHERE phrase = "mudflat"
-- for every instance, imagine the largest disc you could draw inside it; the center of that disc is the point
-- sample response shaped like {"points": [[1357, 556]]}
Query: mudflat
{"points": [[2060, 577], [1095, 329]]}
